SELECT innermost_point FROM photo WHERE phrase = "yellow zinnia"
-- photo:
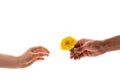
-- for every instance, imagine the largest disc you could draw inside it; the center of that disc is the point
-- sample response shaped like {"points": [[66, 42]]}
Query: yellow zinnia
{"points": [[68, 43]]}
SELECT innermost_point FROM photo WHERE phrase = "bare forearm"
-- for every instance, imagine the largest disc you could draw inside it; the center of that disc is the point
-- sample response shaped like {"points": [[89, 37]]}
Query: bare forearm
{"points": [[111, 44], [7, 61]]}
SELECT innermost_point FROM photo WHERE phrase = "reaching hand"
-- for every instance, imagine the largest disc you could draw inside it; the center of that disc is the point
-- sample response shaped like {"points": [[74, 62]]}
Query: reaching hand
{"points": [[86, 47], [33, 54]]}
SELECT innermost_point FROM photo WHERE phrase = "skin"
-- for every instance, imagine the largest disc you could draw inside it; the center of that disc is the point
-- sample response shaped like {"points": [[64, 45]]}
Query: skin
{"points": [[28, 58], [91, 48]]}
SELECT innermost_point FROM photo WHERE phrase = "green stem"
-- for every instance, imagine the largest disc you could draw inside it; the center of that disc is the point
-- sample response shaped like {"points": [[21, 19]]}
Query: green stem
{"points": [[77, 55]]}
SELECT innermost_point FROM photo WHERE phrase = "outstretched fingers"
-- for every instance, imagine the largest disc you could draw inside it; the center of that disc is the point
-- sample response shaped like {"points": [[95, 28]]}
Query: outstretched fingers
{"points": [[40, 49]]}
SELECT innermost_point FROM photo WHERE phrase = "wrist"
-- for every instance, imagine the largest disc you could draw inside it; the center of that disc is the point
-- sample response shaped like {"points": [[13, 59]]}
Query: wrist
{"points": [[21, 61], [102, 46], [107, 46]]}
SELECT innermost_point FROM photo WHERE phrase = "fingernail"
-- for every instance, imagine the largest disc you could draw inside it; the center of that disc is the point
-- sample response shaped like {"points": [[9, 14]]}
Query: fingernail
{"points": [[47, 54]]}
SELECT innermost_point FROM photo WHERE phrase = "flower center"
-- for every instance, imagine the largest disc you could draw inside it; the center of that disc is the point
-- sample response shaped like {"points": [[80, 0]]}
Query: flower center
{"points": [[67, 42]]}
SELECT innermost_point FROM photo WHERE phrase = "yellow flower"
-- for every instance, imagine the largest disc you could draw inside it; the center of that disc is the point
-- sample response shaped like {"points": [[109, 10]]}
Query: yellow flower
{"points": [[68, 43]]}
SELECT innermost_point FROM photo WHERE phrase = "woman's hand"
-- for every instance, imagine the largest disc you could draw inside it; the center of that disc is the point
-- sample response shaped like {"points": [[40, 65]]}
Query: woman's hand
{"points": [[86, 47], [33, 54]]}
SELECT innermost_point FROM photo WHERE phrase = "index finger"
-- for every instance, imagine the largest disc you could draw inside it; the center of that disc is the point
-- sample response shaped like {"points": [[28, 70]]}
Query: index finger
{"points": [[81, 42]]}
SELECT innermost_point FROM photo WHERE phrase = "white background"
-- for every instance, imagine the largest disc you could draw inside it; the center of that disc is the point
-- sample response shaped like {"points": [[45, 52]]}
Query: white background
{"points": [[28, 23]]}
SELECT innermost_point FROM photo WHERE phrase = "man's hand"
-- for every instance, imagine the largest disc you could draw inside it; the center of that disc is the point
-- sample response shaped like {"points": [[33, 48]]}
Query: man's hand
{"points": [[86, 47]]}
